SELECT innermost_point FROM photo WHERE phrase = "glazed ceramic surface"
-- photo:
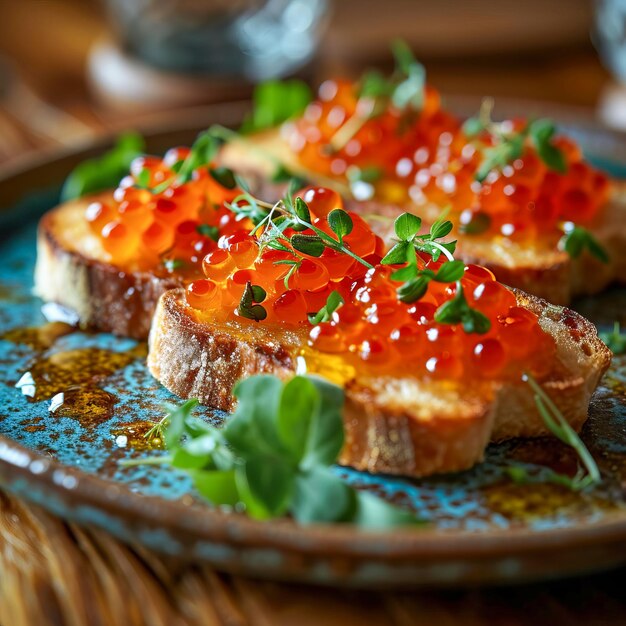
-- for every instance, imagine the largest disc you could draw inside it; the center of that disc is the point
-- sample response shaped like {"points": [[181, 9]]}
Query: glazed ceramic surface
{"points": [[74, 404]]}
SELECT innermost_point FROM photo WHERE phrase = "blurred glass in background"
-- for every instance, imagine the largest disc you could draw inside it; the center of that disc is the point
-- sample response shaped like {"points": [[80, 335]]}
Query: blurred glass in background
{"points": [[255, 39]]}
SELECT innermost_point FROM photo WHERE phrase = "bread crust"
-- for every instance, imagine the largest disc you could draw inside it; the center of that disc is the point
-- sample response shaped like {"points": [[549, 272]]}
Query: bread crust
{"points": [[392, 425], [72, 269]]}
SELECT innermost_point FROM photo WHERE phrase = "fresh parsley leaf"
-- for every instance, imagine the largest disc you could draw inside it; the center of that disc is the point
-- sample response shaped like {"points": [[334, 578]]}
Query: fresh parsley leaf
{"points": [[274, 102], [105, 171], [440, 229], [577, 239], [615, 340], [413, 289], [398, 254], [333, 302]]}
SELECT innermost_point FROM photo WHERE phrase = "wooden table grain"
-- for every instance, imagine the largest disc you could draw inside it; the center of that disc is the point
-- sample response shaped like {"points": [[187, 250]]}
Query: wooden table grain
{"points": [[53, 572]]}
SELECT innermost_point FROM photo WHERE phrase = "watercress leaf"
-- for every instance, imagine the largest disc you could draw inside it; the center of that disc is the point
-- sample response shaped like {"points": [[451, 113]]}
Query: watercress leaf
{"points": [[321, 496], [406, 226], [176, 420], [224, 176], [311, 245], [103, 172], [397, 254], [182, 459], [325, 438], [251, 430], [340, 223], [333, 302], [274, 102], [440, 229], [450, 272], [375, 513], [265, 485], [299, 402], [413, 290], [218, 487]]}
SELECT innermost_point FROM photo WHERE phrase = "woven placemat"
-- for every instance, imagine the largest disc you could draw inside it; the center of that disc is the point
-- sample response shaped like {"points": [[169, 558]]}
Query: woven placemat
{"points": [[52, 572]]}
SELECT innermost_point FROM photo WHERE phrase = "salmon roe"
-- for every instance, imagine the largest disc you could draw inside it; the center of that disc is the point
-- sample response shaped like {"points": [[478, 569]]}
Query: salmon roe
{"points": [[155, 220], [373, 328], [426, 159]]}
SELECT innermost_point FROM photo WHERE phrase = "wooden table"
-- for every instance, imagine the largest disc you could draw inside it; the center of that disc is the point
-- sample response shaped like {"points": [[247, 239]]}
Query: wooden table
{"points": [[52, 572]]}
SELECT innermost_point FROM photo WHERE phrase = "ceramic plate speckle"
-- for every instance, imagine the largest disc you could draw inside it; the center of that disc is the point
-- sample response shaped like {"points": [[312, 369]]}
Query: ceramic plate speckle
{"points": [[63, 453]]}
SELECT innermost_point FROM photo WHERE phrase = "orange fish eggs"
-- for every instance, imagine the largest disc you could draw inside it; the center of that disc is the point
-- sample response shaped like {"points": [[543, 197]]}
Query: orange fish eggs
{"points": [[203, 295]]}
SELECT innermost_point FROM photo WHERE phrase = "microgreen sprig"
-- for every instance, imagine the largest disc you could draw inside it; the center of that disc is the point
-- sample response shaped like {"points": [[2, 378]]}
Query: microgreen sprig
{"points": [[509, 144], [560, 428], [273, 456], [577, 239]]}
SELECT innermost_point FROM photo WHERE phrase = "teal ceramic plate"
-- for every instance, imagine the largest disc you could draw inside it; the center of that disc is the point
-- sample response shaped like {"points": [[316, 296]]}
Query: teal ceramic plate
{"points": [[481, 527]]}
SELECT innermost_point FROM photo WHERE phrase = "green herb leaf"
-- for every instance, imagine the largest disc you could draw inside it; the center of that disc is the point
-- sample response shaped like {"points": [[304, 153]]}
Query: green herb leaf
{"points": [[458, 311], [503, 153], [450, 272], [411, 90], [274, 102], [333, 302], [364, 174], [321, 496], [248, 305], [340, 223], [103, 172], [440, 229], [224, 176], [171, 265], [213, 232], [541, 133], [615, 340], [143, 179], [406, 226], [311, 245], [218, 487], [479, 223], [578, 239], [413, 290], [302, 212], [473, 126], [202, 152], [397, 254]]}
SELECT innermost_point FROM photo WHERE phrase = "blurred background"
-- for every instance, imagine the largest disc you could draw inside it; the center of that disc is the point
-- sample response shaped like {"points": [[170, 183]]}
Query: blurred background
{"points": [[72, 69]]}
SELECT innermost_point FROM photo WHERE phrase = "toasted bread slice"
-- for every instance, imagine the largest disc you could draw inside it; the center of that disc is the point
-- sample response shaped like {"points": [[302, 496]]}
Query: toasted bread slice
{"points": [[541, 269], [392, 425], [74, 270]]}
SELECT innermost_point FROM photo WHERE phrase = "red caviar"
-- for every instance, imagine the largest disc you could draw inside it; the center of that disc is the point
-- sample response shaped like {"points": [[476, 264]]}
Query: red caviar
{"points": [[426, 159], [373, 328], [155, 217]]}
